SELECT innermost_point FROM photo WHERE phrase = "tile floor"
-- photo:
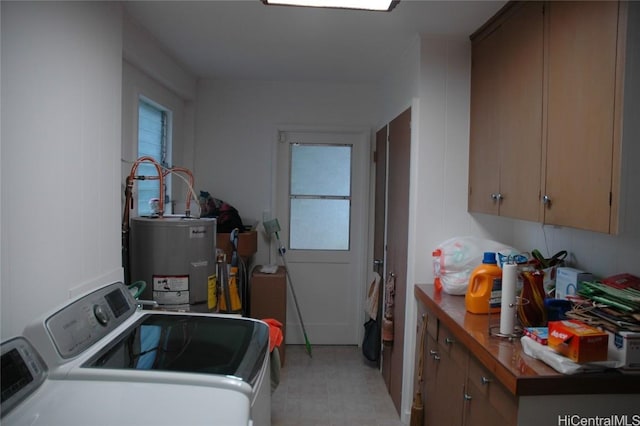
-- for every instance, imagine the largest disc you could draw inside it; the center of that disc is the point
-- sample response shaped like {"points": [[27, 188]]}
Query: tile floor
{"points": [[336, 387]]}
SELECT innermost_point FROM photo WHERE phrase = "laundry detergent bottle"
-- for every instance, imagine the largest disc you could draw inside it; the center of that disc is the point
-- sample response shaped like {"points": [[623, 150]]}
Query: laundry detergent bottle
{"points": [[481, 284]]}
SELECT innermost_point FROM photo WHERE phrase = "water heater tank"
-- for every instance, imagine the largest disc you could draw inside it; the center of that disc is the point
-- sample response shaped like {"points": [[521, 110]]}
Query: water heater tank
{"points": [[175, 256]]}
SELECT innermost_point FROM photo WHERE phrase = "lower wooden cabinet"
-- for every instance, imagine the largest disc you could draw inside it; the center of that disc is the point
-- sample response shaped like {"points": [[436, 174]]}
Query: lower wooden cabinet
{"points": [[473, 378], [456, 389], [487, 402], [445, 401]]}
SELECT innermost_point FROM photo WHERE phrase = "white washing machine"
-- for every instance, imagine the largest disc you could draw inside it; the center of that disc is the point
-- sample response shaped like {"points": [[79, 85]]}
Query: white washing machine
{"points": [[100, 360]]}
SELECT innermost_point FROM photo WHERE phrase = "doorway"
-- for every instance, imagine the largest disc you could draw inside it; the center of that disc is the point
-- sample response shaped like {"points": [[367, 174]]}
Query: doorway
{"points": [[322, 183]]}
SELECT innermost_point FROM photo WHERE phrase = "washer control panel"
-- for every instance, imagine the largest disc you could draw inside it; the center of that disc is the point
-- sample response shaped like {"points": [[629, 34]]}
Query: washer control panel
{"points": [[23, 371], [89, 318]]}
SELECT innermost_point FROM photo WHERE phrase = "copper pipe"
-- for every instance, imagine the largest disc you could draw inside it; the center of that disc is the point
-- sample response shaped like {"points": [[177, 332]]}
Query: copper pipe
{"points": [[134, 169], [190, 176]]}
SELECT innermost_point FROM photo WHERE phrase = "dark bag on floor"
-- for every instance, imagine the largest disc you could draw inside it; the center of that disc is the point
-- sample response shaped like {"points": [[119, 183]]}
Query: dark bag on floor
{"points": [[371, 342]]}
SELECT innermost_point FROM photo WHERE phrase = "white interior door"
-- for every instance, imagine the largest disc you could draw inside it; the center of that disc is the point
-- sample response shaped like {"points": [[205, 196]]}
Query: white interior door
{"points": [[322, 191]]}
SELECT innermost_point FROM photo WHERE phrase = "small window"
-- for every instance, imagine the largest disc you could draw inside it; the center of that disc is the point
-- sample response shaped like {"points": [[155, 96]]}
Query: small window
{"points": [[153, 141], [320, 197]]}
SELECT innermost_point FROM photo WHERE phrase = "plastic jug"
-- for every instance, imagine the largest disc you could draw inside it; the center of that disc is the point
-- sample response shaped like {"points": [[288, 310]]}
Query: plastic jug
{"points": [[481, 284]]}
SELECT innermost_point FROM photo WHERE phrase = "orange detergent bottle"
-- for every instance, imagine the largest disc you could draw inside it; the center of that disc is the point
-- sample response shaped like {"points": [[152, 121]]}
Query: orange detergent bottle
{"points": [[481, 285]]}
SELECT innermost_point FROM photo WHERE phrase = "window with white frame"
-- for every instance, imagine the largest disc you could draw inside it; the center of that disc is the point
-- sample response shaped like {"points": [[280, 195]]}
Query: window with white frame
{"points": [[320, 197], [154, 130]]}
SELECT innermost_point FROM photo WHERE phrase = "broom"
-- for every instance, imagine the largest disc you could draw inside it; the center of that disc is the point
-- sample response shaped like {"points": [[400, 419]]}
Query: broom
{"points": [[417, 408]]}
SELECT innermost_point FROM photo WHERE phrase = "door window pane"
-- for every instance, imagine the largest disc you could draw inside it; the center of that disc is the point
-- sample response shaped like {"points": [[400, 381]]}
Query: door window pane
{"points": [[319, 224], [320, 170], [320, 197]]}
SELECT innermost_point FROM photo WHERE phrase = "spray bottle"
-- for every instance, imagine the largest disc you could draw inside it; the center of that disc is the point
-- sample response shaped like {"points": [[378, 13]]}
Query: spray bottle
{"points": [[437, 253]]}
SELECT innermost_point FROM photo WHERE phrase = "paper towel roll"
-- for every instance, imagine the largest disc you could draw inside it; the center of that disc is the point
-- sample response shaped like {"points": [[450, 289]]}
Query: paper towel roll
{"points": [[508, 298]]}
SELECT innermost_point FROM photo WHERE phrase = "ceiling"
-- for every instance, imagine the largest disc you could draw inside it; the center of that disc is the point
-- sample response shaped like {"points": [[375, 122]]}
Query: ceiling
{"points": [[244, 39]]}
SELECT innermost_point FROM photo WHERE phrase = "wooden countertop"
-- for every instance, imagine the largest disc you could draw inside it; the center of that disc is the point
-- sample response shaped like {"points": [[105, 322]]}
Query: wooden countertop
{"points": [[518, 372]]}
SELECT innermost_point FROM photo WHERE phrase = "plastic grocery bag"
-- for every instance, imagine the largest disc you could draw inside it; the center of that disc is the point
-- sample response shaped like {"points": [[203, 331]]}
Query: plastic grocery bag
{"points": [[460, 255]]}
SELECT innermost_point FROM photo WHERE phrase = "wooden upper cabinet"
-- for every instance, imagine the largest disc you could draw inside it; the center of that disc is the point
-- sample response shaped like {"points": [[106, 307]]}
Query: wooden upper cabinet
{"points": [[484, 148], [546, 108], [521, 112], [506, 115], [583, 113]]}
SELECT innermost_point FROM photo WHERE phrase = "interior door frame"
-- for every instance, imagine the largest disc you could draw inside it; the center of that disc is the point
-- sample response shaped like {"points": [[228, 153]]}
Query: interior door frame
{"points": [[378, 223], [361, 221], [411, 307], [410, 323], [397, 245]]}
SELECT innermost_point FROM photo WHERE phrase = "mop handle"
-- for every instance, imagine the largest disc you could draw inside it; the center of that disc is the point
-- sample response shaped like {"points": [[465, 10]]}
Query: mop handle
{"points": [[293, 293], [281, 250]]}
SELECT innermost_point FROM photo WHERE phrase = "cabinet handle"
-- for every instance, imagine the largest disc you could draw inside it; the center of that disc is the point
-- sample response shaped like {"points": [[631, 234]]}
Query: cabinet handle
{"points": [[436, 357], [485, 380], [449, 340], [546, 200], [496, 196], [467, 397]]}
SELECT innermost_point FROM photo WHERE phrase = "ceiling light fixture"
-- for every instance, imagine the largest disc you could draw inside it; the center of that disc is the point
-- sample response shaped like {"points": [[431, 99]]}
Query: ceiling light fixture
{"points": [[378, 5]]}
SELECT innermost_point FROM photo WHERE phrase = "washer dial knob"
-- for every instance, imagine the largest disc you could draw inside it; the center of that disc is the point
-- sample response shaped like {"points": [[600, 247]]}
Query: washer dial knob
{"points": [[101, 314]]}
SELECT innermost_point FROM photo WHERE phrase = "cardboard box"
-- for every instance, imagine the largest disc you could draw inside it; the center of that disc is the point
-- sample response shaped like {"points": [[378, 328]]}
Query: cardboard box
{"points": [[624, 347], [247, 244], [578, 341], [568, 281], [539, 334], [268, 299]]}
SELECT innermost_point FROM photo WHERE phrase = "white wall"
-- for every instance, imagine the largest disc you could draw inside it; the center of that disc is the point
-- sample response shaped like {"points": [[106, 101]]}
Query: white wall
{"points": [[403, 86], [434, 79], [236, 124], [141, 49], [148, 71], [442, 153], [439, 171], [61, 81]]}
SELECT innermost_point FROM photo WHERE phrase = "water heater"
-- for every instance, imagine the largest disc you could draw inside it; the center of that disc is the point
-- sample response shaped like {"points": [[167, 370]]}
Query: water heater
{"points": [[175, 256]]}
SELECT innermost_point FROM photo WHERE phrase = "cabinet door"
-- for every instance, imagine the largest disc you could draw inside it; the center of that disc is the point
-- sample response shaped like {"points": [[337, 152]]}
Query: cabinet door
{"points": [[435, 411], [484, 148], [487, 402], [581, 108], [450, 379], [506, 116], [520, 111]]}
